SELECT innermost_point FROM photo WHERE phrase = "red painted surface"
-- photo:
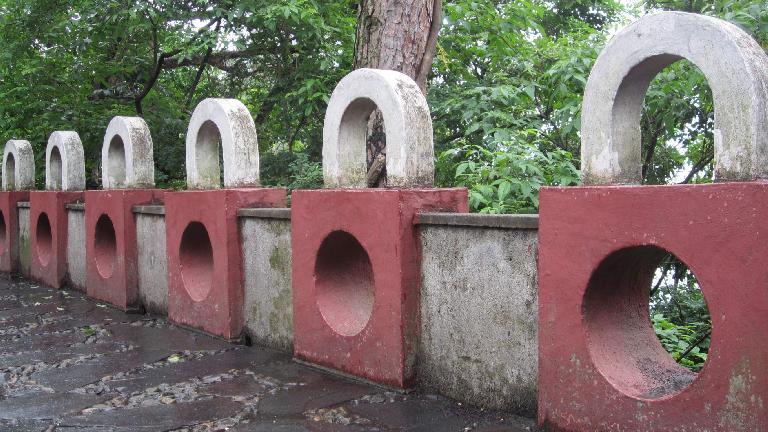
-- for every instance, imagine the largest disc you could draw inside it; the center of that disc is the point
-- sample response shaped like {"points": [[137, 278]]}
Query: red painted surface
{"points": [[111, 249], [205, 281], [356, 277], [9, 229], [601, 367], [48, 235]]}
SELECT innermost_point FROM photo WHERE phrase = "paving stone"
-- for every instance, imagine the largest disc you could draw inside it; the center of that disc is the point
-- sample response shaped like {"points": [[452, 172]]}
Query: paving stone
{"points": [[173, 339], [46, 405], [159, 417], [241, 386], [56, 354], [209, 386], [302, 398], [93, 370], [26, 425], [206, 365]]}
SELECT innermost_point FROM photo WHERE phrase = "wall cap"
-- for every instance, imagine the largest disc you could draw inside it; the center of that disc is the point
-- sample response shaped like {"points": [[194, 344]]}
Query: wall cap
{"points": [[149, 209], [75, 206], [504, 221], [265, 213]]}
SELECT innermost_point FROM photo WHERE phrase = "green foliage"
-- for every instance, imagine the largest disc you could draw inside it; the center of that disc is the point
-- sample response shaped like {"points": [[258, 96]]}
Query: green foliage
{"points": [[507, 179], [681, 340], [506, 96], [679, 313], [74, 64], [302, 172]]}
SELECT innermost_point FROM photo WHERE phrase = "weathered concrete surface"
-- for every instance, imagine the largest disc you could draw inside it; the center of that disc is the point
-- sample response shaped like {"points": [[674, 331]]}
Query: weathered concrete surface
{"points": [[76, 269], [18, 165], [222, 126], [75, 365], [410, 150], [479, 314], [126, 155], [153, 262], [64, 162], [24, 243], [736, 68], [266, 244]]}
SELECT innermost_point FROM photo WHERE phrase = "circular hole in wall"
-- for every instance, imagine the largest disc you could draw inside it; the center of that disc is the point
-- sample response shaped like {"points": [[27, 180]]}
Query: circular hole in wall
{"points": [[116, 161], [55, 168], [3, 233], [622, 340], [43, 239], [344, 283], [10, 172], [196, 259], [105, 246]]}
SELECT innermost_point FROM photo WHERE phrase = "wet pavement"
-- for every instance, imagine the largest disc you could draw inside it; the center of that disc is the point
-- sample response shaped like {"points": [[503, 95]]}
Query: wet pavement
{"points": [[70, 364]]}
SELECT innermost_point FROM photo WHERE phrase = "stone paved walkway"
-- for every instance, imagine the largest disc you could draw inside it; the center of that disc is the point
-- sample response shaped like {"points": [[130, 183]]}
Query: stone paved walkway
{"points": [[70, 364]]}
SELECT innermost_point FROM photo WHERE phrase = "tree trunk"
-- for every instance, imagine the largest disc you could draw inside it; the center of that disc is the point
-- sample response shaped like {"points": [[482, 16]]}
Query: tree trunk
{"points": [[398, 35]]}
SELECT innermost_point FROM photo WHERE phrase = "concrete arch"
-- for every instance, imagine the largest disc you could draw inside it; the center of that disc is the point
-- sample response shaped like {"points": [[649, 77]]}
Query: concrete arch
{"points": [[126, 154], [408, 124], [735, 66], [18, 166], [64, 162], [222, 124]]}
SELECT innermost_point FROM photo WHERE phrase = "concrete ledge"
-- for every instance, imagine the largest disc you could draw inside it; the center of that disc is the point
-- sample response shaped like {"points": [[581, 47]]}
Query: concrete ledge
{"points": [[516, 221], [265, 213], [22, 204], [149, 209], [75, 206]]}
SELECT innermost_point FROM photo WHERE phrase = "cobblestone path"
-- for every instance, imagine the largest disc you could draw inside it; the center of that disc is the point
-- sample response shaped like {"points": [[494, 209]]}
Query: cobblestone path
{"points": [[70, 364]]}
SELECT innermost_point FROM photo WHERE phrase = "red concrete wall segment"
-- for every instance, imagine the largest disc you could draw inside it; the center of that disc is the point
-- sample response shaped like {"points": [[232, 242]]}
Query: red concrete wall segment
{"points": [[356, 274], [205, 282], [48, 235], [111, 249], [9, 229], [601, 367]]}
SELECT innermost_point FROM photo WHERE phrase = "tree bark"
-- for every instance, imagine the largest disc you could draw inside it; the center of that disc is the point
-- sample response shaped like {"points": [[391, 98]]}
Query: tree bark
{"points": [[398, 35]]}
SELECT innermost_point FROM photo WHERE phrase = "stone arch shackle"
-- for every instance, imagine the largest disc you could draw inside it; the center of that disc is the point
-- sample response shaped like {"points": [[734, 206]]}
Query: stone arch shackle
{"points": [[64, 162], [407, 121], [734, 65], [126, 154], [225, 124], [18, 166]]}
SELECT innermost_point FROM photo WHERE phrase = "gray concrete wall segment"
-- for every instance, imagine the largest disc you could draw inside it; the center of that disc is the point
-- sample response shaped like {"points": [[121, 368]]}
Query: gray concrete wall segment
{"points": [[736, 68], [76, 264], [24, 241], [479, 315], [153, 264], [268, 308], [408, 124]]}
